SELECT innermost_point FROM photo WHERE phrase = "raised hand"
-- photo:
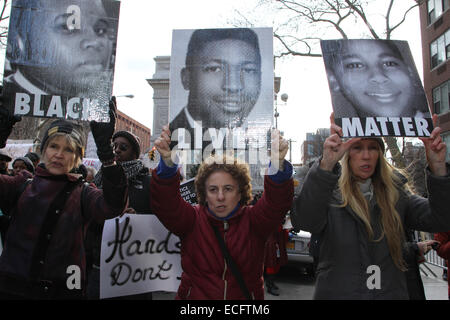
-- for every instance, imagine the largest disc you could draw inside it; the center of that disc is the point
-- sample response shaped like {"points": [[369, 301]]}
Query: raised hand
{"points": [[334, 147], [279, 149], [7, 122], [162, 144], [435, 150], [103, 132]]}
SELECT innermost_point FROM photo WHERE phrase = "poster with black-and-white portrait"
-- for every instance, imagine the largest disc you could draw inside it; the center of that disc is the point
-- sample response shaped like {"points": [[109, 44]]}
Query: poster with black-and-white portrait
{"points": [[221, 88], [375, 88], [60, 58]]}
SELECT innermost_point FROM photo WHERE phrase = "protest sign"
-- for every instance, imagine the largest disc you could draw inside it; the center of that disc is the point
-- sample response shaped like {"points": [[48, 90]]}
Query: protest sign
{"points": [[60, 58], [375, 88], [138, 254], [187, 191], [221, 92]]}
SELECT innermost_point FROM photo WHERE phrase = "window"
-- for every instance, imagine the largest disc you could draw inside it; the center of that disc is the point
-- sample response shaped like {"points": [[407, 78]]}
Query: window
{"points": [[447, 43], [440, 49], [435, 9], [441, 98], [446, 139]]}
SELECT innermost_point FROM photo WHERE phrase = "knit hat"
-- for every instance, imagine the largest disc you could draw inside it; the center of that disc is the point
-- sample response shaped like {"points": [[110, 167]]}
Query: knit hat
{"points": [[132, 139], [33, 156], [4, 156], [381, 143], [28, 163], [64, 127]]}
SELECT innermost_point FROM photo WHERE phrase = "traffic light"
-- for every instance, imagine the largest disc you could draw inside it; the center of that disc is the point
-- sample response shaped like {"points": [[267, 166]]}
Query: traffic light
{"points": [[151, 154]]}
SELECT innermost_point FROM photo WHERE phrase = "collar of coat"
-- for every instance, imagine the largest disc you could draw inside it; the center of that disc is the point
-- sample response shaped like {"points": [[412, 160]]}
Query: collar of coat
{"points": [[228, 216], [42, 171]]}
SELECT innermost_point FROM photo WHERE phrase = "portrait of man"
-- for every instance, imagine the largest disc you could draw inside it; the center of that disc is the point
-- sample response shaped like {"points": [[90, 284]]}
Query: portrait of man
{"points": [[222, 79], [375, 78], [63, 48]]}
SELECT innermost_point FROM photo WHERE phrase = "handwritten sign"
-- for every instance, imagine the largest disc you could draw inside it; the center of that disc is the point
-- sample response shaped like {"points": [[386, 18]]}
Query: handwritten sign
{"points": [[138, 255]]}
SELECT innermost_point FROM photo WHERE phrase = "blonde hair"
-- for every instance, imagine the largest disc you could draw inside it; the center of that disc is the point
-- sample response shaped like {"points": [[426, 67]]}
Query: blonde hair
{"points": [[71, 142], [386, 183]]}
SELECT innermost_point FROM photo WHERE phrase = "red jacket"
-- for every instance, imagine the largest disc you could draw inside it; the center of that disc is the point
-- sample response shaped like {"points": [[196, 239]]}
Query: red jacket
{"points": [[444, 249], [205, 273]]}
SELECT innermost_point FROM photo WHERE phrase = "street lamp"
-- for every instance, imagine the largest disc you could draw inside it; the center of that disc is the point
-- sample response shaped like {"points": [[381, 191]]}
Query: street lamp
{"points": [[284, 98]]}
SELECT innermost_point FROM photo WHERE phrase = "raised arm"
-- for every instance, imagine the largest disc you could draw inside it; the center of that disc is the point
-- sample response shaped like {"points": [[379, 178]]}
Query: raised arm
{"points": [[176, 214], [270, 210]]}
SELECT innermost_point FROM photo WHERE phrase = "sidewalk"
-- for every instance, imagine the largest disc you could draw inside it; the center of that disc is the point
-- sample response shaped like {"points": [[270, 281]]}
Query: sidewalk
{"points": [[435, 287]]}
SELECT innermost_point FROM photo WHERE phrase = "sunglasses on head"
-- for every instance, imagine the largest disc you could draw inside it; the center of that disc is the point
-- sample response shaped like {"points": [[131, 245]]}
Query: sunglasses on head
{"points": [[122, 146]]}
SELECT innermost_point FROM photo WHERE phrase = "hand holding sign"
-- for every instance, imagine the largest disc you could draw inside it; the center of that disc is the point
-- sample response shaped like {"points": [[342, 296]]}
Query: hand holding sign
{"points": [[162, 144], [436, 150], [279, 149], [333, 147]]}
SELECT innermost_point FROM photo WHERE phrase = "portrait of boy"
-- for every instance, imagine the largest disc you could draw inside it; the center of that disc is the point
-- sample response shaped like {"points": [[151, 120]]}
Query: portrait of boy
{"points": [[373, 78], [60, 48], [221, 78]]}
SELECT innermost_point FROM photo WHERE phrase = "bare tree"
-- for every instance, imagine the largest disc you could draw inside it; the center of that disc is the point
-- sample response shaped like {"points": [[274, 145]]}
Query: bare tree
{"points": [[4, 17], [301, 24]]}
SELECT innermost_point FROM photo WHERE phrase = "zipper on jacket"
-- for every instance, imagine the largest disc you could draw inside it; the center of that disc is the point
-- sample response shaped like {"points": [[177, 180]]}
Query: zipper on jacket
{"points": [[225, 281], [225, 228]]}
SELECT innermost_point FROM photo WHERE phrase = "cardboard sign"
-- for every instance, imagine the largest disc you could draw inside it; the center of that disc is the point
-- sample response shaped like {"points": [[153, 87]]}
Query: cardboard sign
{"points": [[375, 88], [138, 255], [60, 58]]}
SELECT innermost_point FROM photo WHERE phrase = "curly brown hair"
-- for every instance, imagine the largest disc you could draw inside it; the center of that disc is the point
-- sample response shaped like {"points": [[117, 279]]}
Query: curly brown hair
{"points": [[238, 170]]}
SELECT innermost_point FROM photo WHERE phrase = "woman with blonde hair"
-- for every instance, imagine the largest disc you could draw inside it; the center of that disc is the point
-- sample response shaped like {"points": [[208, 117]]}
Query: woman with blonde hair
{"points": [[223, 212], [361, 208]]}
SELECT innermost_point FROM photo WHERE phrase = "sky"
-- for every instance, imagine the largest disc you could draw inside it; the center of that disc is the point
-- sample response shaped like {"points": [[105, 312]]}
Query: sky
{"points": [[145, 32]]}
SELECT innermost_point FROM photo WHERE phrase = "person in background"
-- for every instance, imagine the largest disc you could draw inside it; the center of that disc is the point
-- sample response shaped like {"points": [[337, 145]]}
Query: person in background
{"points": [[275, 256], [443, 250], [4, 160], [45, 239], [22, 163], [91, 172], [362, 207], [127, 151], [223, 188], [34, 157]]}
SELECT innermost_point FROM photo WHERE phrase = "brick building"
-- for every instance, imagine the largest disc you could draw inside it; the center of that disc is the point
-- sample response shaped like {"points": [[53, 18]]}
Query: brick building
{"points": [[127, 123], [435, 31]]}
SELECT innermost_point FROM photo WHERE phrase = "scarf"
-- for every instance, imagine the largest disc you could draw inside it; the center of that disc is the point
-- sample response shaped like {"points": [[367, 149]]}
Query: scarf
{"points": [[366, 188], [135, 171]]}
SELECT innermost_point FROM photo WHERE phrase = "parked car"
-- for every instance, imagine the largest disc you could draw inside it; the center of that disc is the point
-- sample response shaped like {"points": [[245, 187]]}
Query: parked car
{"points": [[297, 248]]}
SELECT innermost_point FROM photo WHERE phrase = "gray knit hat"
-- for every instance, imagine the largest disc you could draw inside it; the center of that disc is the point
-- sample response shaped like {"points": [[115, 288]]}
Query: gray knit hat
{"points": [[28, 163]]}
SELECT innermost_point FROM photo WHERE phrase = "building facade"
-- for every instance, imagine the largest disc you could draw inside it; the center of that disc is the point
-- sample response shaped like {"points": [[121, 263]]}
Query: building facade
{"points": [[126, 123], [435, 31], [312, 147]]}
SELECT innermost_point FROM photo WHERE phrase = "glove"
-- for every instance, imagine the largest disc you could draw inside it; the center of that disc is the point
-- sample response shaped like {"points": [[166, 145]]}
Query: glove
{"points": [[7, 122], [103, 132]]}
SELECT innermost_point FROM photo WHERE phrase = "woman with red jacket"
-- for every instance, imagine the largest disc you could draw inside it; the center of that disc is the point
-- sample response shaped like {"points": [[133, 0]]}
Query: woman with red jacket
{"points": [[223, 192], [443, 249]]}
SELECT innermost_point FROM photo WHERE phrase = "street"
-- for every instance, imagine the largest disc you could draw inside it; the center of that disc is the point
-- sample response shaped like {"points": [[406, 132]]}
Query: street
{"points": [[295, 284]]}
